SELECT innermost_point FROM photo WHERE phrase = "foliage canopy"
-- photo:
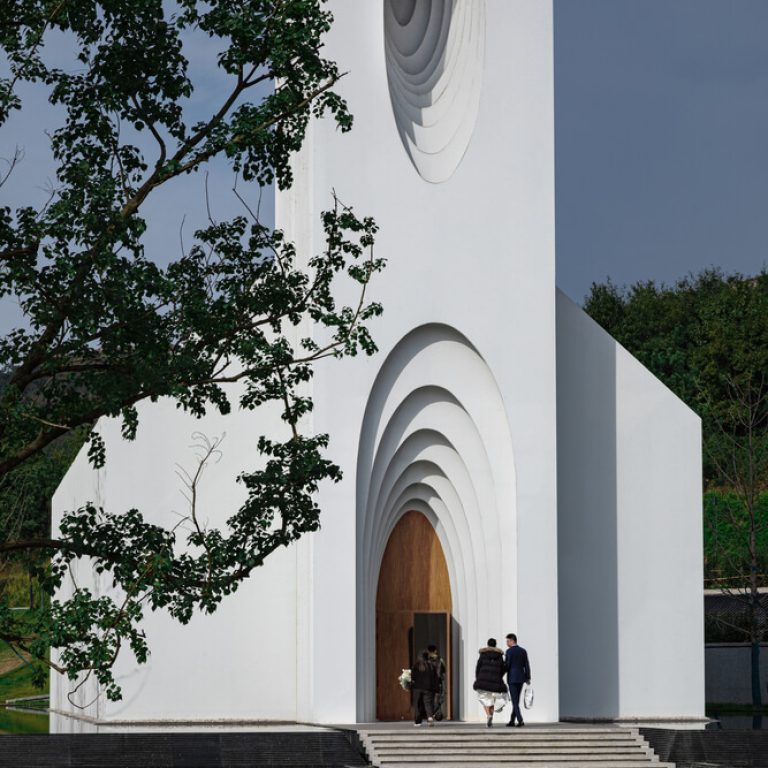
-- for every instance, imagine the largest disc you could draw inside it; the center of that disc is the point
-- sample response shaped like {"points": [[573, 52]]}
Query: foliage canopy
{"points": [[106, 326]]}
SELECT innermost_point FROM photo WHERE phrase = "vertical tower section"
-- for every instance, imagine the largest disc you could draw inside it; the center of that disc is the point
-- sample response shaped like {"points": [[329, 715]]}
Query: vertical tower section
{"points": [[452, 152]]}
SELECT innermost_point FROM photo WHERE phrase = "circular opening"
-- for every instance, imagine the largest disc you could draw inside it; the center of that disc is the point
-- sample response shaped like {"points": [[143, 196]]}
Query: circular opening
{"points": [[434, 56]]}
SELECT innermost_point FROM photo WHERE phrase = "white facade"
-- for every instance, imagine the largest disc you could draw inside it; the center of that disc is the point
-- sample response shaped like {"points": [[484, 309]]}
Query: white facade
{"points": [[629, 530], [210, 669], [456, 417]]}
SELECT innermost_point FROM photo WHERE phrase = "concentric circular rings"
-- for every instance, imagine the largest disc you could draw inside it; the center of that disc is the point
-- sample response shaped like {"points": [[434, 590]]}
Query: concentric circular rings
{"points": [[434, 54]]}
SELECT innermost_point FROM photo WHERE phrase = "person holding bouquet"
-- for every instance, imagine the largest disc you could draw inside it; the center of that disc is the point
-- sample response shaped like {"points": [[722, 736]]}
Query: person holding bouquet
{"points": [[424, 686]]}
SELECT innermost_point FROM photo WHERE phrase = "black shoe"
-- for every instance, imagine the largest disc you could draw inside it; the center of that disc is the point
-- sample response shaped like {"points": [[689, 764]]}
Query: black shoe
{"points": [[520, 724], [490, 721], [511, 724]]}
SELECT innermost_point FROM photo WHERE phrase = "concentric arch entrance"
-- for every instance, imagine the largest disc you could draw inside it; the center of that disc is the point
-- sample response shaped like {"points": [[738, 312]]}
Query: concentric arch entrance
{"points": [[413, 610], [435, 513]]}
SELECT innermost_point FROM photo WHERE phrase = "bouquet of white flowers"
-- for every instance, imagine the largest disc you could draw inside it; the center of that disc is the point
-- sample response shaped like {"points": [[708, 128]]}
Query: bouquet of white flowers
{"points": [[405, 679]]}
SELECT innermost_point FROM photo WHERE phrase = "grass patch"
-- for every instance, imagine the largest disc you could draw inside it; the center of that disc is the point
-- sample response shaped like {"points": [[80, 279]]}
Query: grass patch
{"points": [[23, 722], [18, 683], [17, 587], [6, 653], [10, 661], [9, 657]]}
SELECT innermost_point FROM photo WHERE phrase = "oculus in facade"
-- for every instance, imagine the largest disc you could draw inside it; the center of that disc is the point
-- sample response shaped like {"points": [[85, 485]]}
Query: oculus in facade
{"points": [[434, 53]]}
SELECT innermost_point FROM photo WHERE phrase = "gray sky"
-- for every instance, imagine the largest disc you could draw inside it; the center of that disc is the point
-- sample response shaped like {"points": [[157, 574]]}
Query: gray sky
{"points": [[661, 139]]}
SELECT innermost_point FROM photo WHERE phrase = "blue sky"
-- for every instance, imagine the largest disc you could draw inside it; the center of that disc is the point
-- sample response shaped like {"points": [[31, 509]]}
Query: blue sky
{"points": [[661, 143], [661, 139]]}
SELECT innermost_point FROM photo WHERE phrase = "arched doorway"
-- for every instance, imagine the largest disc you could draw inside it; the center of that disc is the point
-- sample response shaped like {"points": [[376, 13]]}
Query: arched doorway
{"points": [[413, 603]]}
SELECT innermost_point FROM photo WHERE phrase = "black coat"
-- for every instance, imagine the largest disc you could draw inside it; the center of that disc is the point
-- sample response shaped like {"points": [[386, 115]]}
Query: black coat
{"points": [[439, 666], [424, 679], [518, 666], [489, 673]]}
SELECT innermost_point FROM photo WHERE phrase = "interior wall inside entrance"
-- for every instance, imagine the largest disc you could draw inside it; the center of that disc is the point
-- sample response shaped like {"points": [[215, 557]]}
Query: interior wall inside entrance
{"points": [[413, 578]]}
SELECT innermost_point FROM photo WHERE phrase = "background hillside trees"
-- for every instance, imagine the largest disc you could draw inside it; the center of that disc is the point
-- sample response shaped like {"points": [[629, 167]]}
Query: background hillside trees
{"points": [[106, 326]]}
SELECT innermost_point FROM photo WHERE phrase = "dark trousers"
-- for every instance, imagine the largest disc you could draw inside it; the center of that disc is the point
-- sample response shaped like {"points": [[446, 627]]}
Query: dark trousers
{"points": [[423, 702], [514, 695]]}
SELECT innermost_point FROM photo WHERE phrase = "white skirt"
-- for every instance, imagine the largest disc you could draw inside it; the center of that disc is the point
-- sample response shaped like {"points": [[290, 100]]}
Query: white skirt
{"points": [[493, 699]]}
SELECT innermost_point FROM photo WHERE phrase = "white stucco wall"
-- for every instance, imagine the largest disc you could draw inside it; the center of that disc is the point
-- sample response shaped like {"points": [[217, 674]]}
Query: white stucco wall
{"points": [[80, 485], [474, 255], [238, 663], [629, 544]]}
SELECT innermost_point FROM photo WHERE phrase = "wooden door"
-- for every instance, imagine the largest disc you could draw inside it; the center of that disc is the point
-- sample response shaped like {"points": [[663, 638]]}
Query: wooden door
{"points": [[413, 579]]}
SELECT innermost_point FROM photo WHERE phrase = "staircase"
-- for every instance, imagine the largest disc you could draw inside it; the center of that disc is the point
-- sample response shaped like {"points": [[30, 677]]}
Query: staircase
{"points": [[529, 747]]}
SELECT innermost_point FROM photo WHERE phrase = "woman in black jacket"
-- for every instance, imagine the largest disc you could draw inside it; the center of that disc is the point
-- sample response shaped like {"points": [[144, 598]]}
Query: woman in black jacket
{"points": [[489, 679]]}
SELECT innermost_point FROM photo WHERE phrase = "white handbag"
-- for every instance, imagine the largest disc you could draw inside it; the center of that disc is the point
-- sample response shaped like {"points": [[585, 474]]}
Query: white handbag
{"points": [[528, 696]]}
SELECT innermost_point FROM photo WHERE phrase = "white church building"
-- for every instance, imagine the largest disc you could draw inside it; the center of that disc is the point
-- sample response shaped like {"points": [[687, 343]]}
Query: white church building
{"points": [[508, 467]]}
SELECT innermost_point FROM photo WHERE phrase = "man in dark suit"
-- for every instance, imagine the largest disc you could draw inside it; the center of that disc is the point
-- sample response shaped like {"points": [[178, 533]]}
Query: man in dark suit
{"points": [[518, 673]]}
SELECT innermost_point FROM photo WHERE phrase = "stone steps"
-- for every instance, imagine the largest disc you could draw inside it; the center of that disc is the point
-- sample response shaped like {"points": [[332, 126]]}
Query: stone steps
{"points": [[533, 747], [496, 762], [435, 734]]}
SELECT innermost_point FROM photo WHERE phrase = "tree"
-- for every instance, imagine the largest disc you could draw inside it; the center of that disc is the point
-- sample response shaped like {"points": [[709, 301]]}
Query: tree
{"points": [[707, 339], [107, 327], [736, 559], [25, 510], [734, 406]]}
